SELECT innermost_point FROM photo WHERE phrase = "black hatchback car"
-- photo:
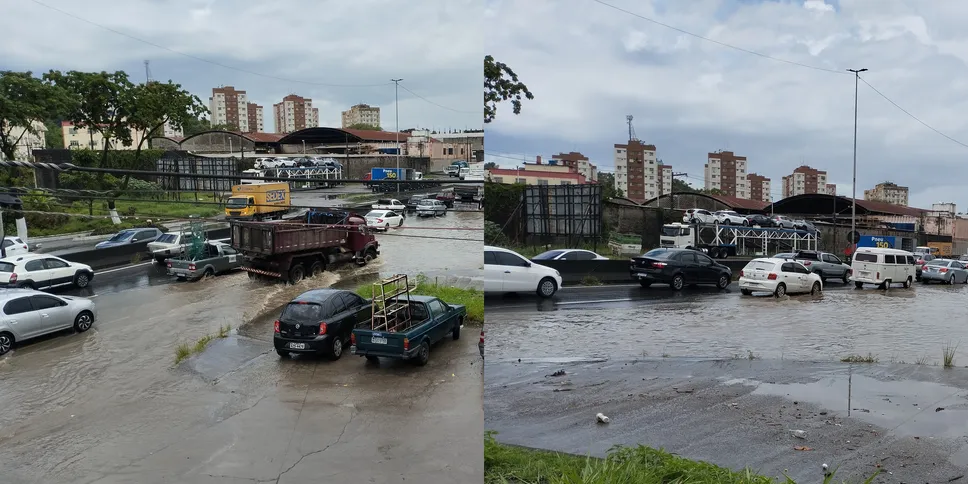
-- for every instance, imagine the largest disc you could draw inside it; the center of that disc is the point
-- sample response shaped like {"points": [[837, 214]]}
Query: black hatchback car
{"points": [[320, 321], [678, 267]]}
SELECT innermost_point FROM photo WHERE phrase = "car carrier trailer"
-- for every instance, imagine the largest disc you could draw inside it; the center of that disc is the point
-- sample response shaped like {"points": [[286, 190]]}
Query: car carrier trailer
{"points": [[723, 241]]}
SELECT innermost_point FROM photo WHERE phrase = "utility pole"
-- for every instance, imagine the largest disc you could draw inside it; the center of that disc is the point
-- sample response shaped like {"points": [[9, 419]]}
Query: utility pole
{"points": [[396, 114], [853, 197], [672, 191]]}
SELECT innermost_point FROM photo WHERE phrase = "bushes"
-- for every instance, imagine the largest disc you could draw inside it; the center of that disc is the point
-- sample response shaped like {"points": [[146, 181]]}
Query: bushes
{"points": [[493, 234]]}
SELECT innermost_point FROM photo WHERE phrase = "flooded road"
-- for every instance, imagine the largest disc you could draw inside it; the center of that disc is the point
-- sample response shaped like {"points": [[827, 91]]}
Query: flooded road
{"points": [[110, 406], [628, 322]]}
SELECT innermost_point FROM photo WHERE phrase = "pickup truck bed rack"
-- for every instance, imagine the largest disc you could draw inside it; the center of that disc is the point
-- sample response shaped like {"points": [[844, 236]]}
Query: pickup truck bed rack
{"points": [[391, 304]]}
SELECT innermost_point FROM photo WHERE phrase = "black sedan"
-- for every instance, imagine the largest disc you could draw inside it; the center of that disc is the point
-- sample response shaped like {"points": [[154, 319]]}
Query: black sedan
{"points": [[320, 321], [678, 267], [760, 219]]}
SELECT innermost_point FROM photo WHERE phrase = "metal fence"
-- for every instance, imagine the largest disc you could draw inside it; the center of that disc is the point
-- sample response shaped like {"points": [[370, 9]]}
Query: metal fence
{"points": [[570, 212], [183, 165]]}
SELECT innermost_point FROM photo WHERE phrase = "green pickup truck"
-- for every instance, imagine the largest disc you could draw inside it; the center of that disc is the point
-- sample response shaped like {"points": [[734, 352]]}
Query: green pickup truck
{"points": [[218, 258], [432, 319]]}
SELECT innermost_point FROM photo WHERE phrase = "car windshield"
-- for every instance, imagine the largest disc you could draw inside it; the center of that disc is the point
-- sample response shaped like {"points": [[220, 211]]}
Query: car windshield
{"points": [[425, 202], [670, 231], [167, 238], [659, 254], [236, 202], [118, 237], [759, 265], [549, 255], [938, 262], [303, 313], [376, 214]]}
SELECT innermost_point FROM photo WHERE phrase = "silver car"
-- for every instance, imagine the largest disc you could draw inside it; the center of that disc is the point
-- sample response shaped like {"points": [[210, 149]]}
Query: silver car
{"points": [[944, 270], [26, 314], [431, 207]]}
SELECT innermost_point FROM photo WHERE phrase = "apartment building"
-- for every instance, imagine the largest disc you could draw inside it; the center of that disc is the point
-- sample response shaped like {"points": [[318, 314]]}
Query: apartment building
{"points": [[27, 142], [172, 131], [888, 192], [537, 173], [759, 187], [231, 107], [295, 113], [639, 174], [361, 114], [577, 162], [726, 172], [80, 137], [804, 180]]}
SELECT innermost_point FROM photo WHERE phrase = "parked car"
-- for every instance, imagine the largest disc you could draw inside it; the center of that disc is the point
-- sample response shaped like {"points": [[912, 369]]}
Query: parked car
{"points": [[729, 217], [413, 201], [785, 255], [778, 277], [28, 313], [698, 216], [944, 270], [42, 271], [824, 264], [920, 259], [430, 321], [389, 204], [678, 267], [383, 219], [14, 246], [431, 208], [808, 226], [130, 236], [782, 221], [569, 254], [507, 271], [882, 267], [319, 321], [263, 163], [760, 220]]}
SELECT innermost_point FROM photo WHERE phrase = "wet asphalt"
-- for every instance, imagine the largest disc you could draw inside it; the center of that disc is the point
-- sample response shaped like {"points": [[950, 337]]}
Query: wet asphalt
{"points": [[110, 406]]}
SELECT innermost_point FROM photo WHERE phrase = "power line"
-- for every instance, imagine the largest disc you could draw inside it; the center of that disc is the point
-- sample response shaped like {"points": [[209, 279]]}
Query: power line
{"points": [[905, 111], [440, 105], [723, 44]]}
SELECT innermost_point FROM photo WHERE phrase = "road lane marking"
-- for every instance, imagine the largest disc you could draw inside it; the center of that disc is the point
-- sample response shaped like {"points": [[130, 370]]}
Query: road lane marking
{"points": [[124, 268], [596, 301]]}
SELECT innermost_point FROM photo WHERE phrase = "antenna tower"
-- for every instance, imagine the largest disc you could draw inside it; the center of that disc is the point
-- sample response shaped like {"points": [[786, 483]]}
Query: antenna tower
{"points": [[147, 71], [628, 119]]}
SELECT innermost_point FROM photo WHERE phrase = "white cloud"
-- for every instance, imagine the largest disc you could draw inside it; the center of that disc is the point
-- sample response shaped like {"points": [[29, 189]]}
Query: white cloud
{"points": [[589, 66], [305, 47]]}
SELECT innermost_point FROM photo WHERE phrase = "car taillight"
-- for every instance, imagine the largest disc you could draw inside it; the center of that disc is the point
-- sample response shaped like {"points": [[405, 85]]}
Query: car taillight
{"points": [[741, 274], [406, 344], [482, 336], [322, 328], [878, 274], [25, 246], [659, 264], [379, 220], [924, 267], [352, 339], [13, 277], [943, 269], [772, 276], [169, 264], [806, 262], [191, 267], [275, 326]]}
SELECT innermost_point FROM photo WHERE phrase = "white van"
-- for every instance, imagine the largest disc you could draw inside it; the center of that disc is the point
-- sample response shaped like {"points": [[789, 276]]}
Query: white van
{"points": [[882, 267]]}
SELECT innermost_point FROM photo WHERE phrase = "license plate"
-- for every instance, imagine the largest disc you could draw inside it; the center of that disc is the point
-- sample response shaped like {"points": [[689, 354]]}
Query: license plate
{"points": [[378, 341], [297, 346], [865, 273]]}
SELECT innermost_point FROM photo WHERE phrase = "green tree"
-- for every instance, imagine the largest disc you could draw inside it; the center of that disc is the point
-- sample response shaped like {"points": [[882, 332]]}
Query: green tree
{"points": [[54, 137], [489, 165], [680, 186], [23, 100], [501, 84], [365, 127], [609, 190]]}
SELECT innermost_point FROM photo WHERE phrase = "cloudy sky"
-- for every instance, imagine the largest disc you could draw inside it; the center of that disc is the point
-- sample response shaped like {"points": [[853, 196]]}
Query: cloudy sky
{"points": [[590, 65], [270, 49]]}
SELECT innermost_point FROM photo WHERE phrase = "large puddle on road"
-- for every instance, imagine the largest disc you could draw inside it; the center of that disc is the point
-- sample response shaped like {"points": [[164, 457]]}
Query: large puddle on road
{"points": [[895, 326]]}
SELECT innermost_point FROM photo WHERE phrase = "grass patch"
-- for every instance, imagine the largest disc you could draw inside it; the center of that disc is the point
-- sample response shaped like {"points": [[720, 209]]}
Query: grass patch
{"points": [[185, 350], [359, 197], [870, 358], [922, 360], [156, 210], [505, 464], [591, 281], [472, 299], [948, 352]]}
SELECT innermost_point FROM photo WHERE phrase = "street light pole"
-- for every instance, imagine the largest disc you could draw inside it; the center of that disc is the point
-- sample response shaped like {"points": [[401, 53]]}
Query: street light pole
{"points": [[853, 198], [396, 114]]}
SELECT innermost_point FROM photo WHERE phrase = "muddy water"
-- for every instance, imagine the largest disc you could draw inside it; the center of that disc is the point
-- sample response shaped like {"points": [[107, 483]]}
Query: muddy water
{"points": [[899, 325], [440, 245]]}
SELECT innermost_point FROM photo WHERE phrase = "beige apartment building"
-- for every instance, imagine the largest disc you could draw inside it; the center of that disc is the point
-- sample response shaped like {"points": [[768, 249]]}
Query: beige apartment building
{"points": [[295, 113], [231, 107], [361, 114], [578, 162], [725, 171], [80, 138], [889, 193], [536, 174], [639, 174], [27, 142], [806, 180]]}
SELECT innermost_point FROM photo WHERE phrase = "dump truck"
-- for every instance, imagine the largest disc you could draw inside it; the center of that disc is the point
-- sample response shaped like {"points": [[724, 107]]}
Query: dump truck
{"points": [[258, 201], [293, 249]]}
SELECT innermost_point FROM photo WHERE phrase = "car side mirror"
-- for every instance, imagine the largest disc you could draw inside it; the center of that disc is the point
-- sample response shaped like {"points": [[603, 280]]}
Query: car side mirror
{"points": [[527, 264]]}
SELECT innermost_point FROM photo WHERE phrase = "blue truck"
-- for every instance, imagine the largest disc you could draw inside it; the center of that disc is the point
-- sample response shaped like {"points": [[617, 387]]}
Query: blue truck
{"points": [[428, 320], [410, 180]]}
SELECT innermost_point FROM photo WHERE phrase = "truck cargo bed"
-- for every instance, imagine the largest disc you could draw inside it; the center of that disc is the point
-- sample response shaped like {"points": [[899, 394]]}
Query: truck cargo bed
{"points": [[269, 238]]}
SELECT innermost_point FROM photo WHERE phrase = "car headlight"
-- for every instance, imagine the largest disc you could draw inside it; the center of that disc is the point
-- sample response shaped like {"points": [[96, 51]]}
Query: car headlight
{"points": [[557, 273]]}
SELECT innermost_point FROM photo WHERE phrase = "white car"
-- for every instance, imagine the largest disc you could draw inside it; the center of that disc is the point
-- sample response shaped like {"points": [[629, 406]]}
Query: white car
{"points": [[389, 204], [14, 246], [698, 215], [169, 245], [507, 271], [26, 314], [383, 219], [729, 217], [778, 277], [41, 271], [569, 254]]}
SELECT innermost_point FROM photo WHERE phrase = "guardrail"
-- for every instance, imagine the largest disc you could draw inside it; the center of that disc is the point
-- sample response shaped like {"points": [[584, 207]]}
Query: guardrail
{"points": [[123, 254], [573, 272]]}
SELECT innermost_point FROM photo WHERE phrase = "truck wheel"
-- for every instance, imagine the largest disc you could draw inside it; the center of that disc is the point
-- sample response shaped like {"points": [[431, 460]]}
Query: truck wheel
{"points": [[282, 354], [317, 269], [423, 354], [296, 274], [208, 273]]}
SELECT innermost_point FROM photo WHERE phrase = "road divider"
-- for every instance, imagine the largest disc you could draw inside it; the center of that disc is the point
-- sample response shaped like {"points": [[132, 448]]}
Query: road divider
{"points": [[123, 255], [575, 272]]}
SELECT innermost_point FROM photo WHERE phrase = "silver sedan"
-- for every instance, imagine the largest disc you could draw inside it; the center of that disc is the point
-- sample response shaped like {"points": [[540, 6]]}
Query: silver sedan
{"points": [[27, 314], [946, 271]]}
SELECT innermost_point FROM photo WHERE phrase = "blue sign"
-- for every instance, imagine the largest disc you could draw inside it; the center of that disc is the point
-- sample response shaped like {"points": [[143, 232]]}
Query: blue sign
{"points": [[275, 196], [879, 241]]}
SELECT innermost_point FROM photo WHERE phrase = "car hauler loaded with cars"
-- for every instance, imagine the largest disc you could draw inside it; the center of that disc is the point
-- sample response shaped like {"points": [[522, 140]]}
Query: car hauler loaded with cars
{"points": [[722, 241]]}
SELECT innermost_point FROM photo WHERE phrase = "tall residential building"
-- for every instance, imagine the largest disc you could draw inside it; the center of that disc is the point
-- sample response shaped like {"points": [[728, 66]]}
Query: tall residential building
{"points": [[79, 137], [295, 113], [171, 131], [577, 162], [231, 107], [361, 114], [759, 187], [726, 172], [888, 192], [639, 174], [805, 180]]}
